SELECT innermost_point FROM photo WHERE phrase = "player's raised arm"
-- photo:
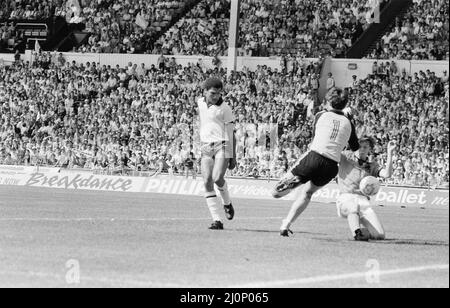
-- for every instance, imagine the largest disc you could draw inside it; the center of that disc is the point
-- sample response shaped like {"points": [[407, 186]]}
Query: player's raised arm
{"points": [[386, 172], [353, 142], [346, 156]]}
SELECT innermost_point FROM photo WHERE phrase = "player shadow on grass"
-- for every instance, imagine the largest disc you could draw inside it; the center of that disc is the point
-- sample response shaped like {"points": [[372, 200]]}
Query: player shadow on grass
{"points": [[393, 241], [412, 242], [274, 231]]}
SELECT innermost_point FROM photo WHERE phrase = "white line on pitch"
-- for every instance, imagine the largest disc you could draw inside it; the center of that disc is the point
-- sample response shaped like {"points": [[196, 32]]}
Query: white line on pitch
{"points": [[330, 278], [125, 219], [144, 219]]}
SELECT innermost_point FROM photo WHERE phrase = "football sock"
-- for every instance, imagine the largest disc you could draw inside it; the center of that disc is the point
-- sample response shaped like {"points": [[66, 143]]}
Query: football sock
{"points": [[297, 209], [213, 205], [369, 219], [354, 222], [285, 225], [224, 193]]}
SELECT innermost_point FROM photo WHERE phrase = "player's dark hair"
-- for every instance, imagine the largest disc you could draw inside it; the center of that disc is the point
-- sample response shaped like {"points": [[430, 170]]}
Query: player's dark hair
{"points": [[338, 98], [213, 82], [369, 140]]}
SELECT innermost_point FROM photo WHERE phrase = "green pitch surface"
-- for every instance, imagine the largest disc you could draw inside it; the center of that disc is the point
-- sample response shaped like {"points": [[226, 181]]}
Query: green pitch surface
{"points": [[48, 237]]}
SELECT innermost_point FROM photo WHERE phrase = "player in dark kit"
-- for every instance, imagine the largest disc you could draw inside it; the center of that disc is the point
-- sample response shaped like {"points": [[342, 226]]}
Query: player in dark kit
{"points": [[333, 130]]}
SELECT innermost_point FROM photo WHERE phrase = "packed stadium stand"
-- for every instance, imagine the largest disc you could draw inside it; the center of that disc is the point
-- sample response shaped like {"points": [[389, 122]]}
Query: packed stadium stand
{"points": [[422, 34], [268, 28], [313, 28], [117, 27], [136, 119], [203, 31], [131, 119], [28, 9], [271, 28], [412, 110]]}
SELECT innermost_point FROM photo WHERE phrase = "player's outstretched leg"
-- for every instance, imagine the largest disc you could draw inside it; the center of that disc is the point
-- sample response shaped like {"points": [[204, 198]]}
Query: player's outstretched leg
{"points": [[294, 177], [298, 207], [369, 219], [348, 206], [286, 185]]}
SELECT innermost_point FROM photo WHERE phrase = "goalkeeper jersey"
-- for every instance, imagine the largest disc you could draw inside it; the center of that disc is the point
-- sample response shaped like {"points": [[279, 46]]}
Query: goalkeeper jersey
{"points": [[352, 170]]}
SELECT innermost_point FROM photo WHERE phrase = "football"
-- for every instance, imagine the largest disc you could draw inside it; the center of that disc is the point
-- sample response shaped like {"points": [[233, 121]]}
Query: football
{"points": [[370, 186]]}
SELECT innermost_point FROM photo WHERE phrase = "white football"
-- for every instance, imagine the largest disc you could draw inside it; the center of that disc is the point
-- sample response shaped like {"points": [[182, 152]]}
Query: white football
{"points": [[370, 186]]}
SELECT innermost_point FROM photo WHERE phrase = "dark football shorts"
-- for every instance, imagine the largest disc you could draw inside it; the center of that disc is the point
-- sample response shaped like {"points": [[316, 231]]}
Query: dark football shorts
{"points": [[316, 168]]}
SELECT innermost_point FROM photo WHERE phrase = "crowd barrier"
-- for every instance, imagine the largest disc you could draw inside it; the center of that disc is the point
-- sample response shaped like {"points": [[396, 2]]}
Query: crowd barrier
{"points": [[342, 69], [239, 188], [123, 59]]}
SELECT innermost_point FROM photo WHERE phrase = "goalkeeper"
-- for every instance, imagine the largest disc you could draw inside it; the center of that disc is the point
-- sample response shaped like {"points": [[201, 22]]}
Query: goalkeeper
{"points": [[352, 204]]}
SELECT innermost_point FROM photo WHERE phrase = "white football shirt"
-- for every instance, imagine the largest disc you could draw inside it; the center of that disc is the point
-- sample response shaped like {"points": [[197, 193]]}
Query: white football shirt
{"points": [[332, 132], [214, 121]]}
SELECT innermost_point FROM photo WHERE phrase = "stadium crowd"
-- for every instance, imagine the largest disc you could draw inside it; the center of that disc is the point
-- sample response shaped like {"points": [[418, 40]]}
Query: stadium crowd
{"points": [[412, 110], [293, 27], [125, 27], [203, 31], [28, 9], [314, 27], [58, 113], [142, 119], [311, 28], [9, 35], [268, 28], [115, 26], [422, 34]]}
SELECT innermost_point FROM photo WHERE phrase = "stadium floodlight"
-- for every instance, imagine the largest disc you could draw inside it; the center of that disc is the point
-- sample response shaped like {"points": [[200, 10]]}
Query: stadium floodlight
{"points": [[233, 35]]}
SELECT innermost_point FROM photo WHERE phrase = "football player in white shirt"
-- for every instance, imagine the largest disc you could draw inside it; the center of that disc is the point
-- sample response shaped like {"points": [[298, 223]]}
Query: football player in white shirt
{"points": [[218, 149], [333, 130]]}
